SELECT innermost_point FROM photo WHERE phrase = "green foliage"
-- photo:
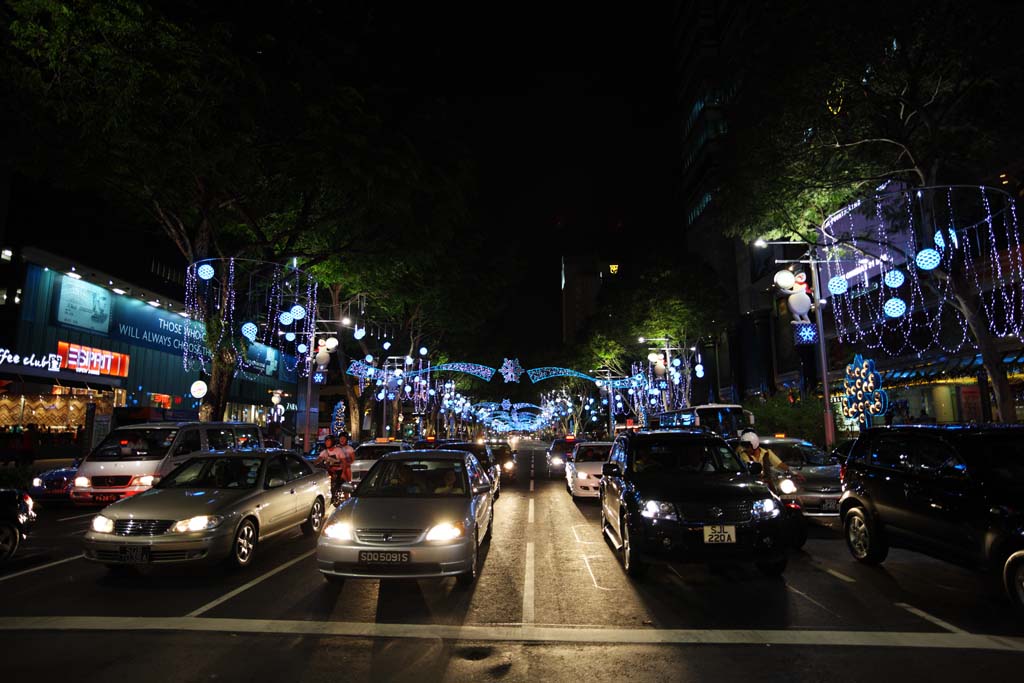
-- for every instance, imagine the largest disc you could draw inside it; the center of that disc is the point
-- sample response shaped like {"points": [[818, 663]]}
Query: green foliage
{"points": [[802, 419]]}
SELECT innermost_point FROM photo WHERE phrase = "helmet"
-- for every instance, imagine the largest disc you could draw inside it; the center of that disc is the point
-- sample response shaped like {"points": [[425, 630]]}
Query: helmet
{"points": [[750, 437]]}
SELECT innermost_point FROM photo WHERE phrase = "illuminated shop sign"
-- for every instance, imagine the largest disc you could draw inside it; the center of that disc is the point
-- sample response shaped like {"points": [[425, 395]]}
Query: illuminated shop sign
{"points": [[50, 361], [92, 361]]}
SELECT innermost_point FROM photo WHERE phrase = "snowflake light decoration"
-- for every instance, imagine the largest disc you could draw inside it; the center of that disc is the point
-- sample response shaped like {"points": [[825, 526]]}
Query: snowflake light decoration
{"points": [[511, 370]]}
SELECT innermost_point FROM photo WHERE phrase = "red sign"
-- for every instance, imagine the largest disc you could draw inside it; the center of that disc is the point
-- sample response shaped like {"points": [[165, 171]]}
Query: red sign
{"points": [[629, 422], [92, 361]]}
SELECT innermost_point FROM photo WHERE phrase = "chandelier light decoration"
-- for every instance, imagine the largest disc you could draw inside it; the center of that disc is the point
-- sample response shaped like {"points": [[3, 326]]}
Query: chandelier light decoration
{"points": [[245, 303], [894, 262]]}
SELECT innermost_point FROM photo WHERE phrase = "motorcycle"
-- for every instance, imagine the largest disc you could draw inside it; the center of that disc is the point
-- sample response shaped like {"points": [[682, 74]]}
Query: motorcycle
{"points": [[339, 494], [785, 488]]}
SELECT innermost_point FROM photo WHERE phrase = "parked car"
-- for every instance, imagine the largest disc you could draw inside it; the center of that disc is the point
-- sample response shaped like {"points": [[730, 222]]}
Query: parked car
{"points": [[557, 454], [54, 486], [130, 459], [685, 496], [213, 507], [16, 518], [953, 492], [583, 468], [416, 514], [369, 453]]}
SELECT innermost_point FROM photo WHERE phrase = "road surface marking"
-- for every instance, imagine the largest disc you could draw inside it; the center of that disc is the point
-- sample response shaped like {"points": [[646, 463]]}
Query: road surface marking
{"points": [[528, 614], [241, 589], [531, 485], [840, 576], [577, 535], [529, 519], [812, 600], [935, 620], [42, 566], [87, 514], [593, 578], [526, 633]]}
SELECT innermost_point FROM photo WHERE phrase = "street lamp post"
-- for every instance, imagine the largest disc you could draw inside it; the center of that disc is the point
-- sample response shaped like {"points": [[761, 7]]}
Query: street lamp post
{"points": [[811, 259]]}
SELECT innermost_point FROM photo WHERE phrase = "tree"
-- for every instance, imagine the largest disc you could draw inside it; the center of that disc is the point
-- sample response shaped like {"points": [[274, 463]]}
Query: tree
{"points": [[834, 103]]}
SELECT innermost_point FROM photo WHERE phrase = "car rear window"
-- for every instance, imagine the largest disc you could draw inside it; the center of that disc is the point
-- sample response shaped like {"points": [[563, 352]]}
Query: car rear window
{"points": [[373, 452], [592, 453]]}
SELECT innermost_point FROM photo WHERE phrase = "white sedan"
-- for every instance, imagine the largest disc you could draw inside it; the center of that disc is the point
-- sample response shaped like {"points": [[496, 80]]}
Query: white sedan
{"points": [[583, 468]]}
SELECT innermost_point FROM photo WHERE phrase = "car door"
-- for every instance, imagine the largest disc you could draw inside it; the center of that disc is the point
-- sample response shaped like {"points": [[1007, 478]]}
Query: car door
{"points": [[939, 498], [481, 506], [611, 487], [277, 507], [887, 467], [302, 478], [187, 445]]}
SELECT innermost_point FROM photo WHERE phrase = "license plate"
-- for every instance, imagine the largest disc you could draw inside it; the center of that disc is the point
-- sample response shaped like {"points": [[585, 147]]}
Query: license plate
{"points": [[720, 534], [383, 557], [104, 497], [133, 554], [830, 506]]}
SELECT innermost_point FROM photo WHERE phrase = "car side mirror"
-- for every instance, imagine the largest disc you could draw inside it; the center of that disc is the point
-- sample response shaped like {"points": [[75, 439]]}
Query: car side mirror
{"points": [[481, 488], [275, 483], [611, 469], [755, 468], [348, 487]]}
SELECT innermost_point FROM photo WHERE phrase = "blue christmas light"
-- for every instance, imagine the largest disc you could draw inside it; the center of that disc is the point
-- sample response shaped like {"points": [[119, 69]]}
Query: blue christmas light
{"points": [[676, 362], [369, 358], [290, 336], [205, 272], [285, 318], [940, 242], [298, 312], [249, 331], [928, 259], [386, 345], [895, 278], [698, 370], [838, 285], [895, 307], [301, 348], [510, 370]]}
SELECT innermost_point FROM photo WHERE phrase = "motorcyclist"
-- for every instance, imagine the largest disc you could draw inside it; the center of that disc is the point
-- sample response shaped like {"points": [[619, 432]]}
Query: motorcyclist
{"points": [[337, 457], [750, 450]]}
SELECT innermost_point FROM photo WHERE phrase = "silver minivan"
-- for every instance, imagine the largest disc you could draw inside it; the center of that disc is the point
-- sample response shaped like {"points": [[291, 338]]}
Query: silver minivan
{"points": [[131, 458]]}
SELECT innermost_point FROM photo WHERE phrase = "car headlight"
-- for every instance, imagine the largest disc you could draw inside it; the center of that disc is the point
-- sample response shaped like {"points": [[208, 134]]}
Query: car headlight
{"points": [[338, 531], [556, 460], [582, 475], [82, 482], [766, 509], [509, 465], [144, 480], [103, 525], [446, 532], [787, 486], [654, 509], [37, 482], [200, 523]]}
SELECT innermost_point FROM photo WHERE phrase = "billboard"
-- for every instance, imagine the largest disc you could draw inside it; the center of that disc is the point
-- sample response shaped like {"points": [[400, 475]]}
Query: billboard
{"points": [[92, 361], [83, 305]]}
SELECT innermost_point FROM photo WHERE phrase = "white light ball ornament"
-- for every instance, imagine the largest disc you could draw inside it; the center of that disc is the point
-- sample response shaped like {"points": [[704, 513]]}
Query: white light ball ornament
{"points": [[784, 279], [838, 285], [928, 259], [249, 331], [298, 312], [285, 318], [359, 333], [895, 278], [894, 307], [698, 370], [205, 272], [198, 388], [331, 343]]}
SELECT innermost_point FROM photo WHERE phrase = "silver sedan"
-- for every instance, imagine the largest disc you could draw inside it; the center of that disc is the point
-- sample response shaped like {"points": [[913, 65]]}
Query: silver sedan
{"points": [[416, 514], [210, 508]]}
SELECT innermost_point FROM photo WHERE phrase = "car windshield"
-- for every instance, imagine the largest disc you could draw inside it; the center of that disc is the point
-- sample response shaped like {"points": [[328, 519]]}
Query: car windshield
{"points": [[682, 457], [135, 444], [802, 454], [477, 449], [214, 473], [415, 479], [726, 421], [1003, 455], [592, 453], [561, 447], [502, 452], [373, 451]]}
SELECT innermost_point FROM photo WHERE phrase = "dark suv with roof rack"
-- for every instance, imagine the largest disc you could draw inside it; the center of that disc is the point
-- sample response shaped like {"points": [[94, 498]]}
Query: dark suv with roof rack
{"points": [[954, 492]]}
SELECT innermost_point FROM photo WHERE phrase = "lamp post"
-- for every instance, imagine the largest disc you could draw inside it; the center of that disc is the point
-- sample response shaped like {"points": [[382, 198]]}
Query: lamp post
{"points": [[811, 259]]}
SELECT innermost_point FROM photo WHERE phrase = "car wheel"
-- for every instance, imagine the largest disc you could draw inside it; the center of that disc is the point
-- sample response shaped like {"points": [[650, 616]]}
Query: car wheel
{"points": [[468, 577], [774, 568], [244, 545], [315, 520], [864, 540], [1013, 578], [630, 562], [333, 579], [10, 538]]}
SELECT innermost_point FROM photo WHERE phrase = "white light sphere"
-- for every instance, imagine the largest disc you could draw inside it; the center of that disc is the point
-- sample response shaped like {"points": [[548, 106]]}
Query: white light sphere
{"points": [[423, 350], [198, 388], [289, 336], [301, 348], [298, 312], [386, 345], [369, 358], [838, 285], [249, 331], [323, 358], [285, 318], [784, 279], [205, 272], [653, 357], [894, 307], [928, 259], [895, 278], [359, 333], [275, 399], [332, 343]]}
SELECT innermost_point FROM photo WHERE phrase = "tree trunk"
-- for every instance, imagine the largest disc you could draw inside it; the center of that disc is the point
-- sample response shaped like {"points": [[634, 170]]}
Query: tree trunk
{"points": [[222, 373]]}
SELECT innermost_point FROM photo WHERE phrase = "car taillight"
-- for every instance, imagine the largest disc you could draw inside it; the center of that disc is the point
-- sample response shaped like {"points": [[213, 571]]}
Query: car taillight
{"points": [[29, 503], [842, 473]]}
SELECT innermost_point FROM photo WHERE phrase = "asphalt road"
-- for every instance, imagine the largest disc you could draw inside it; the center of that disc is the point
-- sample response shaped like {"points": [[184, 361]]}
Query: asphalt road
{"points": [[552, 603]]}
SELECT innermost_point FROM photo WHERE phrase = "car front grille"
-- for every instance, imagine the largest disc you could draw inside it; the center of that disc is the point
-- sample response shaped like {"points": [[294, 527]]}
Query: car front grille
{"points": [[154, 556], [55, 484], [141, 527], [710, 513], [105, 481], [386, 536]]}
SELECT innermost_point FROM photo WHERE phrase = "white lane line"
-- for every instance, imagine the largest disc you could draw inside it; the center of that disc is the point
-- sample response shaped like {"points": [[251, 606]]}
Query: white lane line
{"points": [[42, 566], [241, 589], [529, 519], [531, 485], [593, 578], [531, 633], [528, 613], [840, 576], [88, 514], [935, 620], [811, 600]]}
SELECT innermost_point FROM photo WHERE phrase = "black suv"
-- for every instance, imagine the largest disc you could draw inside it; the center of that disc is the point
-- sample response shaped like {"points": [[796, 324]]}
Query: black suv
{"points": [[954, 492], [685, 496]]}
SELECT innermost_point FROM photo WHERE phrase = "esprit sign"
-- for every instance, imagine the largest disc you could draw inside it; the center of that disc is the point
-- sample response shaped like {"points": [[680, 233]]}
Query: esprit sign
{"points": [[50, 361], [92, 361]]}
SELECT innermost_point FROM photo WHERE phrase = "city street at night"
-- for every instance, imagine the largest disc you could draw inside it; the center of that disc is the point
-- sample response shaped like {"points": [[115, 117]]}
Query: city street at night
{"points": [[551, 603]]}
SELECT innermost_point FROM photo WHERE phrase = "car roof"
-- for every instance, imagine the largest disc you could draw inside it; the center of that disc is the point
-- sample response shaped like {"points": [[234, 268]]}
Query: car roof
{"points": [[593, 443], [948, 428], [262, 453], [426, 454], [678, 433]]}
